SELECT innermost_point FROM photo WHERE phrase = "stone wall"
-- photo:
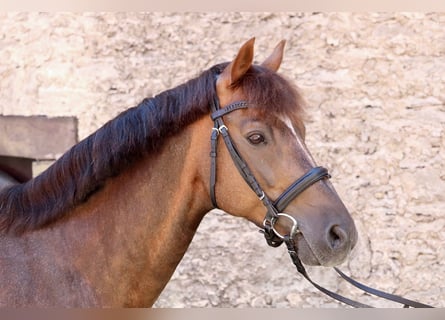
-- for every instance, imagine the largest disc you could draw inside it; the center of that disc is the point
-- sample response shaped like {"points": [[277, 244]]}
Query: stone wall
{"points": [[375, 84]]}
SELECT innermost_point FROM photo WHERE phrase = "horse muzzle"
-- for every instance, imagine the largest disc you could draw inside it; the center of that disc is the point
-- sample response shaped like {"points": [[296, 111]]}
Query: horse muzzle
{"points": [[318, 241]]}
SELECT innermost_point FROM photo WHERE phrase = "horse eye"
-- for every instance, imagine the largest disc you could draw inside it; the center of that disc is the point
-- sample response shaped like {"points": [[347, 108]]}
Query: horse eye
{"points": [[256, 138]]}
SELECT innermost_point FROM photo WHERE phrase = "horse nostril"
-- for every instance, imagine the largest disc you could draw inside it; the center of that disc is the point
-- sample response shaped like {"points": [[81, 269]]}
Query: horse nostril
{"points": [[337, 237]]}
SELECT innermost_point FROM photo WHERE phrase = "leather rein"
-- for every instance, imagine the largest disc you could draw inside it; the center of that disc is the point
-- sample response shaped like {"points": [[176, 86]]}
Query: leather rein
{"points": [[275, 208]]}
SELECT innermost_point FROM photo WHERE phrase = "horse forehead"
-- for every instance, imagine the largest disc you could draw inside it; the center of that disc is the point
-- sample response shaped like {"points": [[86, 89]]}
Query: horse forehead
{"points": [[296, 139], [289, 125]]}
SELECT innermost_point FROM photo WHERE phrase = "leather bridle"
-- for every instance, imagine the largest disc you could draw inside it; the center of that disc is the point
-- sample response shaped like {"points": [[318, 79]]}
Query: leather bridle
{"points": [[275, 208]]}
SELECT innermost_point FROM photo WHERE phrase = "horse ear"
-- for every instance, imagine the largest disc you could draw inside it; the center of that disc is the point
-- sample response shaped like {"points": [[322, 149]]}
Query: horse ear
{"points": [[238, 67], [273, 62]]}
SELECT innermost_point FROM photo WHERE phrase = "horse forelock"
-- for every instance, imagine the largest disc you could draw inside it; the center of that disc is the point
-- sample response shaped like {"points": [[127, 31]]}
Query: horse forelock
{"points": [[272, 94]]}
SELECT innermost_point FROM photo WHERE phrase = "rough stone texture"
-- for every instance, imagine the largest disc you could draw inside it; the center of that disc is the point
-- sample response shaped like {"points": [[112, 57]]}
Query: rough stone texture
{"points": [[375, 86]]}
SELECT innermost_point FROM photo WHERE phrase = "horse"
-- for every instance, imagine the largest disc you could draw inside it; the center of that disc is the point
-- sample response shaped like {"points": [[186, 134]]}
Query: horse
{"points": [[107, 224]]}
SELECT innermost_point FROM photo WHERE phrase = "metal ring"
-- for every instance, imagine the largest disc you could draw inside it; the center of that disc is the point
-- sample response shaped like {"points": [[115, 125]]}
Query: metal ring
{"points": [[294, 229]]}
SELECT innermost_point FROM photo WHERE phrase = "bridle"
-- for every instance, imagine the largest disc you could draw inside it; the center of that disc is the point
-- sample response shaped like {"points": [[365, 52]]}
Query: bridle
{"points": [[275, 208]]}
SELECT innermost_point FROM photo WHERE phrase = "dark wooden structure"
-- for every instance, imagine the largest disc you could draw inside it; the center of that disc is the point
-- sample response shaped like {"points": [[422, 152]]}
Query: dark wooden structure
{"points": [[24, 140]]}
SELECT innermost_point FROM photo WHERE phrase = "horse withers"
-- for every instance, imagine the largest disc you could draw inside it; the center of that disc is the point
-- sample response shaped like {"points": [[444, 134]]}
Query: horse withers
{"points": [[107, 224]]}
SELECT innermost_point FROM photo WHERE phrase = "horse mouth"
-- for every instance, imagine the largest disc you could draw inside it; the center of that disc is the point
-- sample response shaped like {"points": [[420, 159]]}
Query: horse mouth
{"points": [[305, 253], [314, 256]]}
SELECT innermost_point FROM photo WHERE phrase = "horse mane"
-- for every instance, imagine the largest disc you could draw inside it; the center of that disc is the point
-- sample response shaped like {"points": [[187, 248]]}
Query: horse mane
{"points": [[134, 133]]}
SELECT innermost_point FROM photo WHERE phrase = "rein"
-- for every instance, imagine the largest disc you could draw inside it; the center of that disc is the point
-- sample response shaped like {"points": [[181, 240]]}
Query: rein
{"points": [[275, 208]]}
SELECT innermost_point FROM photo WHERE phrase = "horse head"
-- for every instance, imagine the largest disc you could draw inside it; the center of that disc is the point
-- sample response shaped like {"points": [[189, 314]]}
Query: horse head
{"points": [[263, 112]]}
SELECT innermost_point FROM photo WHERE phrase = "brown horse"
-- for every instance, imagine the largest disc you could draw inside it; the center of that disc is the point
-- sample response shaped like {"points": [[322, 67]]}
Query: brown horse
{"points": [[108, 223]]}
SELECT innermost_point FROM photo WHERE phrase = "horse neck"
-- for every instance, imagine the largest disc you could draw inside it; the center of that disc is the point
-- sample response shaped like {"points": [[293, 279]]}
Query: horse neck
{"points": [[144, 220]]}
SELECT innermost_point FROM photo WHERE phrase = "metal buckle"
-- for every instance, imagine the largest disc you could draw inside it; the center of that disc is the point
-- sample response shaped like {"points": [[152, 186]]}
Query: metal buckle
{"points": [[222, 127], [294, 229], [263, 195]]}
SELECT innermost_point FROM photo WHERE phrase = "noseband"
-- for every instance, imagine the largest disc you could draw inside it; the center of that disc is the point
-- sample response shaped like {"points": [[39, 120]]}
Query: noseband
{"points": [[275, 208]]}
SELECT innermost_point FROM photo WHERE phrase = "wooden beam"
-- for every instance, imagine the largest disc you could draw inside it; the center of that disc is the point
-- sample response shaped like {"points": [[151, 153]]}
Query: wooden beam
{"points": [[37, 137]]}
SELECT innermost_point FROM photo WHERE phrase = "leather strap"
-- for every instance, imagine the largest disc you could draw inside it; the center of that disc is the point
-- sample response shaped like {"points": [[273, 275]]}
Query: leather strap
{"points": [[385, 295], [291, 248], [220, 129], [231, 107], [213, 155], [240, 164], [314, 175]]}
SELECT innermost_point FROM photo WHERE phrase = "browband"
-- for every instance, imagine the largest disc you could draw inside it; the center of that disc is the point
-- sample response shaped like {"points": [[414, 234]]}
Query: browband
{"points": [[231, 107]]}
